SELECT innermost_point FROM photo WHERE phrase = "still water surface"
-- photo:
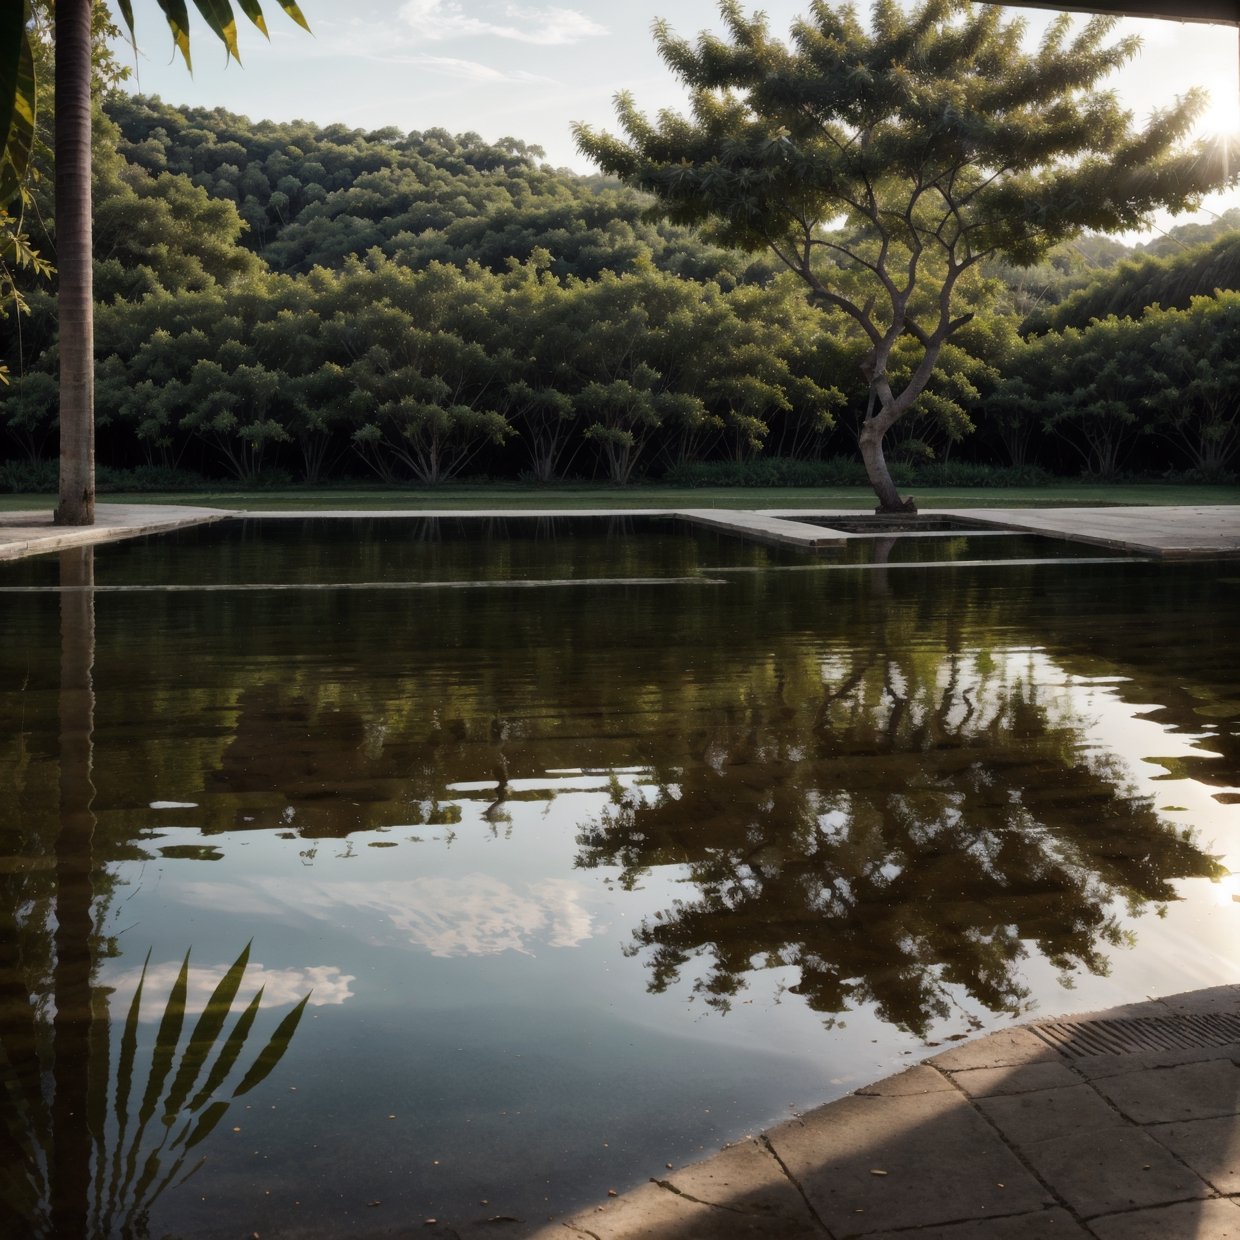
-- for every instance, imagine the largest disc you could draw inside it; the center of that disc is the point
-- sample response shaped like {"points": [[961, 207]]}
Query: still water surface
{"points": [[561, 851]]}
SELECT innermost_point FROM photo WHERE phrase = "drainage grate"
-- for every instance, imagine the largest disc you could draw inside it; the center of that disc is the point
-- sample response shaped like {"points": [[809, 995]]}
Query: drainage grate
{"points": [[1076, 1039]]}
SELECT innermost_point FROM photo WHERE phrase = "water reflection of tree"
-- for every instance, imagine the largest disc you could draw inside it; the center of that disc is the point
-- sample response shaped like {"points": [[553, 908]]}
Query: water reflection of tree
{"points": [[916, 822], [77, 1160]]}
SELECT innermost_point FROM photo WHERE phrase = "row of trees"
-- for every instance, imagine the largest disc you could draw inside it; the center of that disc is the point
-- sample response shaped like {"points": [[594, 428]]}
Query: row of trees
{"points": [[1169, 381], [416, 373], [520, 374]]}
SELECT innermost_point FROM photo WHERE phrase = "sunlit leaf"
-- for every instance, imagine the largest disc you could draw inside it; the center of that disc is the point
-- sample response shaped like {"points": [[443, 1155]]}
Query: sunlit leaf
{"points": [[12, 37], [295, 13], [126, 8], [219, 16], [254, 12], [178, 22]]}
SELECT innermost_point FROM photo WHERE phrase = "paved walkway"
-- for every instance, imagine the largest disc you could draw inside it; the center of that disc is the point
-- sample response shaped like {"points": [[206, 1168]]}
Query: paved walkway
{"points": [[1199, 531], [1116, 1125], [1185, 532], [32, 533]]}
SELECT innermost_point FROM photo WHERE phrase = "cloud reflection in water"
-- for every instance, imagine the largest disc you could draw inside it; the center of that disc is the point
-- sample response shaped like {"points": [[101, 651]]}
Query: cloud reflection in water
{"points": [[281, 987], [469, 915]]}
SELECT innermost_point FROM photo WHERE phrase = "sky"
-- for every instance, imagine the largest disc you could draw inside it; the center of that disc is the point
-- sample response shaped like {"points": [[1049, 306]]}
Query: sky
{"points": [[528, 70]]}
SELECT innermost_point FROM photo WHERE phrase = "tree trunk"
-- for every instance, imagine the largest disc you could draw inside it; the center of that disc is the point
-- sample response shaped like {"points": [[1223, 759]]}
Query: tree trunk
{"points": [[870, 441], [73, 259]]}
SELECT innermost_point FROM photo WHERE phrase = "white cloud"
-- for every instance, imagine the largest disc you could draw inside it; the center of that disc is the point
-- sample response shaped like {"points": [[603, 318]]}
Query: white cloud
{"points": [[472, 70], [447, 19], [281, 987]]}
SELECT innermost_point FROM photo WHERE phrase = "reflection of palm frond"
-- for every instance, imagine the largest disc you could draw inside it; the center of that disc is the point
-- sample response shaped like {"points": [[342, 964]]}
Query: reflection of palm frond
{"points": [[180, 1089]]}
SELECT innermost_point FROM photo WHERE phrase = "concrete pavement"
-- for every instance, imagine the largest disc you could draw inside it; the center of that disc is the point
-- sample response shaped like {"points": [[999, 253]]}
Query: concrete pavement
{"points": [[29, 533]]}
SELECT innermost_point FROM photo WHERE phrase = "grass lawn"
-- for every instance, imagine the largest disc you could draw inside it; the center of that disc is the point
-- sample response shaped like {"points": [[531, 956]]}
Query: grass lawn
{"points": [[517, 497]]}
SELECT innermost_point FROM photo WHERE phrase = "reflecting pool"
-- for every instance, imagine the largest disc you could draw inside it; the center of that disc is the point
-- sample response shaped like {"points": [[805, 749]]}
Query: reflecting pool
{"points": [[359, 873]]}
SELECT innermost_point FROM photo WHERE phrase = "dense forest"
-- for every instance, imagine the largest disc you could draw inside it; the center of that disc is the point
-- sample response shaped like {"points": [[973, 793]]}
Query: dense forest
{"points": [[283, 302]]}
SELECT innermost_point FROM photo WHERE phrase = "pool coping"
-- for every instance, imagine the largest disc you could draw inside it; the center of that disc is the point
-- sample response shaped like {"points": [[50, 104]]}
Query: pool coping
{"points": [[32, 532], [1199, 532]]}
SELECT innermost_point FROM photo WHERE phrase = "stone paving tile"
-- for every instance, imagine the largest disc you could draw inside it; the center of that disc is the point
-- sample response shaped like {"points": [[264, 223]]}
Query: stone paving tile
{"points": [[1191, 1091], [1022, 1079], [1044, 1225], [1215, 1219], [653, 1213], [1049, 1113], [942, 1163], [1210, 1146], [745, 1178], [918, 1080], [1098, 1067], [1124, 1170], [1000, 1050]]}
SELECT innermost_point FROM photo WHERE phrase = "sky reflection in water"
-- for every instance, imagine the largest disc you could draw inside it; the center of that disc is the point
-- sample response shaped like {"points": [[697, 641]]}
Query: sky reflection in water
{"points": [[577, 881]]}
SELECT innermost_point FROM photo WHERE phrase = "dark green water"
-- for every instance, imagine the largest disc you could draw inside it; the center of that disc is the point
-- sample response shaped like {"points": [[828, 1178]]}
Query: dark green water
{"points": [[594, 845]]}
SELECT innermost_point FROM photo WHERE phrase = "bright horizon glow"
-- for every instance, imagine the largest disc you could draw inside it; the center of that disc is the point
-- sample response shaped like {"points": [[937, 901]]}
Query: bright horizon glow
{"points": [[528, 70]]}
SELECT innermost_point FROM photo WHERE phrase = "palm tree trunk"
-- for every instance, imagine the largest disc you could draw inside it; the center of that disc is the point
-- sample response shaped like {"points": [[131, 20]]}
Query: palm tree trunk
{"points": [[73, 258]]}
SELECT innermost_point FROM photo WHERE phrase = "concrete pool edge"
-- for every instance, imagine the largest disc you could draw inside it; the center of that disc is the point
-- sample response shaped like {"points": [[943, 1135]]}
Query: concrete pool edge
{"points": [[1196, 532], [28, 533], [1113, 1125]]}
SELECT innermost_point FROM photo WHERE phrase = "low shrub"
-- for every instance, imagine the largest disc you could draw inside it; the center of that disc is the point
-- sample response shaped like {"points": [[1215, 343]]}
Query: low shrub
{"points": [[768, 471], [978, 474], [28, 477], [837, 471], [143, 479]]}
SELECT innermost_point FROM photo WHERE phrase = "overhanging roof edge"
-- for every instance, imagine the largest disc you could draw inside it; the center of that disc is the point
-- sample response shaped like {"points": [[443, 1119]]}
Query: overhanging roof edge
{"points": [[1218, 12]]}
